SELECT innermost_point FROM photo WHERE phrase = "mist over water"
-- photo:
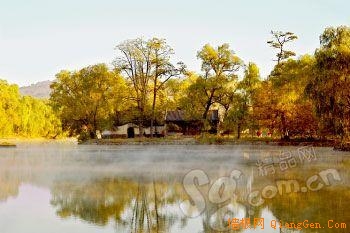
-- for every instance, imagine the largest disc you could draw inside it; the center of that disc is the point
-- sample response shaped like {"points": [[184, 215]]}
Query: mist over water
{"points": [[75, 188]]}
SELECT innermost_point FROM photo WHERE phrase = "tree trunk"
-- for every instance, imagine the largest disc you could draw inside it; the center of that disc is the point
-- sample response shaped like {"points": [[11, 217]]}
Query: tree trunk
{"points": [[207, 107], [94, 124], [204, 118], [284, 127], [140, 120], [140, 130], [239, 131], [153, 108], [205, 114]]}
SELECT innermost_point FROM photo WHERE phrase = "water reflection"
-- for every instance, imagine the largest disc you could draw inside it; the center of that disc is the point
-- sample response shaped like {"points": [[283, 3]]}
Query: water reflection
{"points": [[138, 206], [105, 187]]}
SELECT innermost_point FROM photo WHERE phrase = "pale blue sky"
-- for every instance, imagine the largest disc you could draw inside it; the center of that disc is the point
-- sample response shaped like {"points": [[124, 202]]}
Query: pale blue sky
{"points": [[38, 38]]}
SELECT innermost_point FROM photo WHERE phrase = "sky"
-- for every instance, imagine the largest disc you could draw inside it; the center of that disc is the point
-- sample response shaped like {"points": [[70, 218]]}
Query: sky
{"points": [[38, 38]]}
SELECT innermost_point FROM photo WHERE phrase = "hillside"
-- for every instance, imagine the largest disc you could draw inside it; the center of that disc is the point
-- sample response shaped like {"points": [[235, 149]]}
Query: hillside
{"points": [[38, 90]]}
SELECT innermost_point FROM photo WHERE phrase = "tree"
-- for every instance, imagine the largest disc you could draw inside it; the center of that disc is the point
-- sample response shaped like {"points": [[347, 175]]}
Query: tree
{"points": [[175, 91], [163, 69], [85, 98], [37, 118], [249, 87], [147, 66], [237, 115], [330, 84], [281, 103], [25, 116], [219, 78], [135, 64], [9, 103], [279, 39], [241, 103]]}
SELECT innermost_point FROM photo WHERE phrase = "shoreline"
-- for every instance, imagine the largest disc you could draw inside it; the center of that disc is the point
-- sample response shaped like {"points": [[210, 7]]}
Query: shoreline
{"points": [[13, 142], [216, 141]]}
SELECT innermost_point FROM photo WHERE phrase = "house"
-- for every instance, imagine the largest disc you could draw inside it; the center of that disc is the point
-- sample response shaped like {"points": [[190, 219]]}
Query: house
{"points": [[123, 131], [131, 130], [178, 122]]}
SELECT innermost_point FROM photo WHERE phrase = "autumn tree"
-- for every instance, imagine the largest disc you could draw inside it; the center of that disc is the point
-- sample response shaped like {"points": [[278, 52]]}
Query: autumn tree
{"points": [[9, 103], [85, 98], [37, 119], [330, 83], [239, 105], [279, 41], [164, 70], [25, 115], [248, 88], [135, 64], [147, 66], [237, 115], [175, 91], [281, 103], [219, 67]]}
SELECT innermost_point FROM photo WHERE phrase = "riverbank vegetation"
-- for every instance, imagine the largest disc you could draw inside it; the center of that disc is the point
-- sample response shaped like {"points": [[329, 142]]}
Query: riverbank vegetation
{"points": [[25, 116], [305, 96]]}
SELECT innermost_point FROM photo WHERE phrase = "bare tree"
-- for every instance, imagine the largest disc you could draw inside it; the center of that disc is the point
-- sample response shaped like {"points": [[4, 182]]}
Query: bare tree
{"points": [[135, 64], [147, 65]]}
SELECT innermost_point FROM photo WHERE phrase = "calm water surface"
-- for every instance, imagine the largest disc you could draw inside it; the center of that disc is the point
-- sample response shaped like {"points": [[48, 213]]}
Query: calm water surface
{"points": [[49, 188]]}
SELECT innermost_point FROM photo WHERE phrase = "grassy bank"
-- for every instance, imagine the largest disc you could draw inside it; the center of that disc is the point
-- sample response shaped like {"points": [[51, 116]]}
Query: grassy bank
{"points": [[14, 141], [182, 140], [218, 140], [7, 144]]}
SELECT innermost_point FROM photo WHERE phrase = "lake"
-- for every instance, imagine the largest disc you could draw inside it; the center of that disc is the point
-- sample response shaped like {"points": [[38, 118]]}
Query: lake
{"points": [[53, 187]]}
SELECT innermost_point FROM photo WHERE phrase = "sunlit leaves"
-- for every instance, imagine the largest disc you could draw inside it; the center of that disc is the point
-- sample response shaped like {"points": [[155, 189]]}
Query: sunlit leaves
{"points": [[330, 84], [25, 116], [282, 104], [87, 97], [219, 61]]}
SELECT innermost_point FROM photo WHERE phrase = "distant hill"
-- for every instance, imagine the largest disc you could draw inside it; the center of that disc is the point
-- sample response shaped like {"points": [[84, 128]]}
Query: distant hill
{"points": [[39, 90]]}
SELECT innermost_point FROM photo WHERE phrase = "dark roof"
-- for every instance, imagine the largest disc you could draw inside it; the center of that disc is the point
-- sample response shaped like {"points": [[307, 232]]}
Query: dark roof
{"points": [[177, 115], [180, 115]]}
